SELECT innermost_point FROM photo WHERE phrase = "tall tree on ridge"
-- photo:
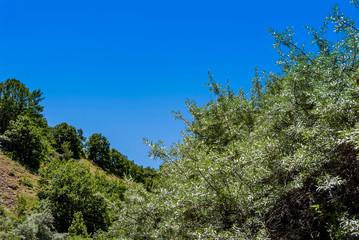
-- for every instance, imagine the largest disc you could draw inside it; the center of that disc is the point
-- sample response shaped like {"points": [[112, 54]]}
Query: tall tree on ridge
{"points": [[15, 100]]}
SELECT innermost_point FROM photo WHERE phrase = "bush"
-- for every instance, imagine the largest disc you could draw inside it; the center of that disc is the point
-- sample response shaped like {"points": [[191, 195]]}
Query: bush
{"points": [[38, 226], [7, 224], [69, 188]]}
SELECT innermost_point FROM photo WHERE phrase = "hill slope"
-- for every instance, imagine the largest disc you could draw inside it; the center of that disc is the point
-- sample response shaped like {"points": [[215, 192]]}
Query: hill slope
{"points": [[15, 180]]}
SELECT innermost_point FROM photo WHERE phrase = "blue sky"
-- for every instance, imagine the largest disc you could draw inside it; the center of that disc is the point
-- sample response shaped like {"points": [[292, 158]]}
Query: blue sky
{"points": [[119, 67]]}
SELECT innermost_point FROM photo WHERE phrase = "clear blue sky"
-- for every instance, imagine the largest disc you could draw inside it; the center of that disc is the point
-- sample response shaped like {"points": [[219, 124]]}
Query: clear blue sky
{"points": [[119, 67]]}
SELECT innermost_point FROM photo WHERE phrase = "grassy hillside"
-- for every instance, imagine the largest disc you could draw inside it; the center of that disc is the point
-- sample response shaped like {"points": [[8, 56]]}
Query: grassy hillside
{"points": [[42, 205], [15, 181]]}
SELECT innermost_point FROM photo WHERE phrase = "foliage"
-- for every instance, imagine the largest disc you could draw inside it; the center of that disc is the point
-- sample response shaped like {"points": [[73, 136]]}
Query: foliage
{"points": [[254, 167], [66, 152], [4, 142], [15, 100], [26, 141], [34, 226], [69, 187], [122, 167], [98, 149], [24, 206], [26, 181], [7, 221], [279, 163], [66, 134], [38, 226], [78, 227]]}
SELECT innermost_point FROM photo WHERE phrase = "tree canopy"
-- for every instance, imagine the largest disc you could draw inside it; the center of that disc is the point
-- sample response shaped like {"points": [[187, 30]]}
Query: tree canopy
{"points": [[26, 141], [16, 99], [63, 133], [69, 188], [98, 149]]}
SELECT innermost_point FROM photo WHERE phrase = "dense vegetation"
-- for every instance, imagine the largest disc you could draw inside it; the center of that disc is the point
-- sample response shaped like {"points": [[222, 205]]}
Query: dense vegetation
{"points": [[279, 163], [73, 201]]}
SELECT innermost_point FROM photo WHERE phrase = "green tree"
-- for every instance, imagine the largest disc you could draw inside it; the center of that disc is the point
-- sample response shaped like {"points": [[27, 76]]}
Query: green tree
{"points": [[26, 141], [98, 149], [66, 133], [16, 99], [121, 166], [119, 163], [69, 187]]}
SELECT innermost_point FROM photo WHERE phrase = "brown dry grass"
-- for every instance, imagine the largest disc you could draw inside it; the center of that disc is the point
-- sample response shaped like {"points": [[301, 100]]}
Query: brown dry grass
{"points": [[15, 180]]}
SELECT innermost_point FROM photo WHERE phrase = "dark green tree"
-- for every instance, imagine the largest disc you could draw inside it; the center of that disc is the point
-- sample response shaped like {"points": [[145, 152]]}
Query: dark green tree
{"points": [[119, 163], [66, 133], [16, 99], [26, 141], [98, 149]]}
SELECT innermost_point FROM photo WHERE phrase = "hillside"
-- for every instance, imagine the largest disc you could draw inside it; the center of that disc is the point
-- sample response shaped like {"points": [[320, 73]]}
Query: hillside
{"points": [[36, 204], [15, 180], [280, 162]]}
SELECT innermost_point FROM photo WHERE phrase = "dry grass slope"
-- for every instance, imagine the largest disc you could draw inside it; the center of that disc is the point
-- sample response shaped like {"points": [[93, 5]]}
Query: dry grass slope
{"points": [[15, 180]]}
